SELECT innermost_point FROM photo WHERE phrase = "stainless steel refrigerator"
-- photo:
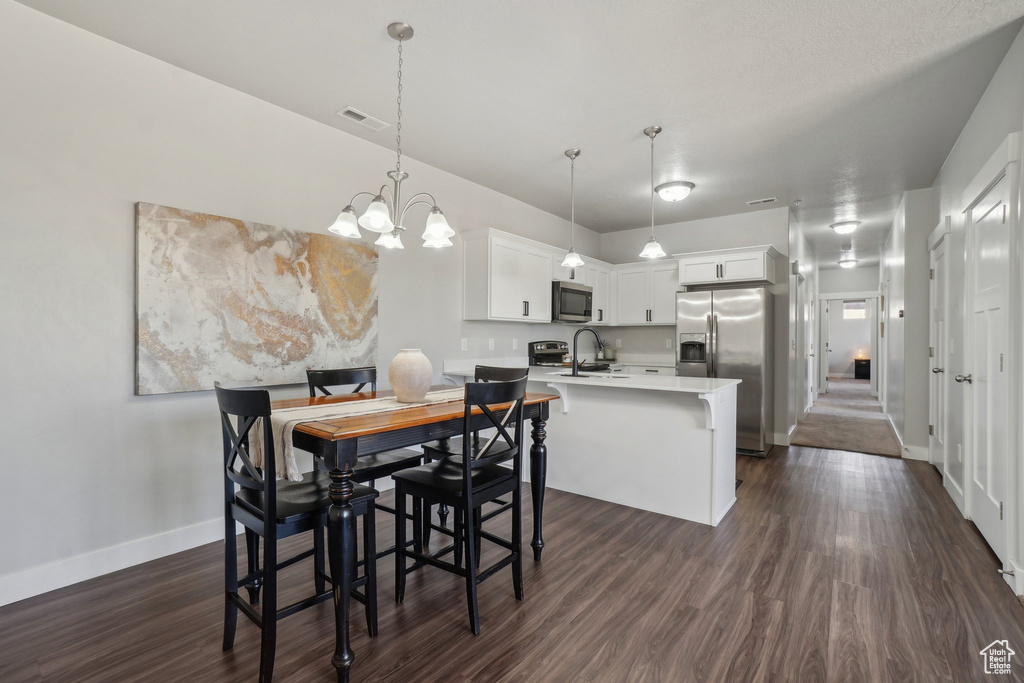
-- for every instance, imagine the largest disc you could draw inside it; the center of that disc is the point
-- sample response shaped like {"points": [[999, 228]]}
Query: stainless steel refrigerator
{"points": [[728, 333]]}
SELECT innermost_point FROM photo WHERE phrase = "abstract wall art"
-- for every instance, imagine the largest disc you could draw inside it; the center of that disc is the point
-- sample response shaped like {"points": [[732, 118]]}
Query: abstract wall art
{"points": [[220, 299]]}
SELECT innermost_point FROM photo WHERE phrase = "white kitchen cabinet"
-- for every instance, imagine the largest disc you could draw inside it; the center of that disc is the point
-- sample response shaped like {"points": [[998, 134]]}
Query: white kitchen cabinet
{"points": [[647, 294], [648, 370], [506, 280], [560, 272], [755, 265], [600, 279]]}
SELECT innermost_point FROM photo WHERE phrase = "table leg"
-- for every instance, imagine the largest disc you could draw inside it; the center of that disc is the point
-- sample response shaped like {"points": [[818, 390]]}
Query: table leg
{"points": [[538, 475], [341, 540]]}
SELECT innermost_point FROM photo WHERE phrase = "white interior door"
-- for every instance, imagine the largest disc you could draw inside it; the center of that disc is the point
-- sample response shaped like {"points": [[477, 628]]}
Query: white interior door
{"points": [[986, 389], [937, 383], [812, 320], [826, 348]]}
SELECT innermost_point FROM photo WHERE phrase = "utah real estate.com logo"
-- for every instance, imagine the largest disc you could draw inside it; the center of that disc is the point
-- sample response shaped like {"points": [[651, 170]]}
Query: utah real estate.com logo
{"points": [[997, 657]]}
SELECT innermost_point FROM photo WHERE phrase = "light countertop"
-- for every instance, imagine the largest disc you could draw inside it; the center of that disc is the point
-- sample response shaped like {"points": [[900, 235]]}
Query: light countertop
{"points": [[696, 385]]}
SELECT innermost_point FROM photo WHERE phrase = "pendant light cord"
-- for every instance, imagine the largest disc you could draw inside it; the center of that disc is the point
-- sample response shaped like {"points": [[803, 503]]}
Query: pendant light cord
{"points": [[398, 137], [572, 204], [652, 186]]}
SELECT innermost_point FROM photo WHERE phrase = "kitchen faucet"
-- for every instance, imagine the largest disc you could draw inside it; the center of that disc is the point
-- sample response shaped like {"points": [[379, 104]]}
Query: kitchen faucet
{"points": [[575, 339]]}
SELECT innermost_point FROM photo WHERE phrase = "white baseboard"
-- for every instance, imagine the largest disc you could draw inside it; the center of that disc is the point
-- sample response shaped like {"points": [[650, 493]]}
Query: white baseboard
{"points": [[54, 575], [915, 453]]}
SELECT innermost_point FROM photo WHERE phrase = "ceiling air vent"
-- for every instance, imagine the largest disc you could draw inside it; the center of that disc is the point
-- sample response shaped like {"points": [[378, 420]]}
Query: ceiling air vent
{"points": [[362, 118], [766, 200]]}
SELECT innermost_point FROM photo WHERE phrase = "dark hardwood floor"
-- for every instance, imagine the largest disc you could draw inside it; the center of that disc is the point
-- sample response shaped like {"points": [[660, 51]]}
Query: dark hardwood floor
{"points": [[832, 566]]}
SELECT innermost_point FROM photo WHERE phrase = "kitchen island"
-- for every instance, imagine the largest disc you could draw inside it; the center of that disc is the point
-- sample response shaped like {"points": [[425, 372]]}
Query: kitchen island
{"points": [[660, 443]]}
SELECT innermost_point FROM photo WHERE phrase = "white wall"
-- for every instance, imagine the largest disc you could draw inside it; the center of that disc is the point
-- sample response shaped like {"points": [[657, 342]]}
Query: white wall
{"points": [[87, 128], [801, 338], [999, 113], [904, 273], [859, 279], [847, 338], [770, 226]]}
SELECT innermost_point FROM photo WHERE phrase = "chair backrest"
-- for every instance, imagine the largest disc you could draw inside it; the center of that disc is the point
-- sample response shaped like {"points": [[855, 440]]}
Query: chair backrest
{"points": [[489, 373], [321, 379], [502, 404], [247, 406]]}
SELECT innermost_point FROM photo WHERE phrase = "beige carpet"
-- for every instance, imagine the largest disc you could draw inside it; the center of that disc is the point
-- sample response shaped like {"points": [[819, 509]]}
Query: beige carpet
{"points": [[847, 418]]}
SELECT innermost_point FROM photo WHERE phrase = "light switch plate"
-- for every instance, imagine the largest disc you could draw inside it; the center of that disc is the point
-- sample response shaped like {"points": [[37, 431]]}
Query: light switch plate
{"points": [[465, 344], [490, 344], [668, 343], [515, 344], [618, 343]]}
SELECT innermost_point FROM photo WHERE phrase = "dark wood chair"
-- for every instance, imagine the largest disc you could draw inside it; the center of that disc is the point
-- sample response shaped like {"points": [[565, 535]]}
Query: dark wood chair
{"points": [[445, 448], [272, 510], [465, 484], [369, 468]]}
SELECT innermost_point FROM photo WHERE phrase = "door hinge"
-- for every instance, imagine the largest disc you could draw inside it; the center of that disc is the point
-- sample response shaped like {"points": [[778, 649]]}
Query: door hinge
{"points": [[931, 430], [1004, 214], [1000, 362], [931, 352], [931, 273], [1000, 509]]}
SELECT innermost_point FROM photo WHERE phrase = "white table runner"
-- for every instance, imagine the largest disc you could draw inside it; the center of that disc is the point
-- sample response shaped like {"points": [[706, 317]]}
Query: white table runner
{"points": [[283, 421]]}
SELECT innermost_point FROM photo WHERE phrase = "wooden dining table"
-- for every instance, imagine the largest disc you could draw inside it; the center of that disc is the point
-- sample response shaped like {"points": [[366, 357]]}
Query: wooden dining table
{"points": [[340, 442]]}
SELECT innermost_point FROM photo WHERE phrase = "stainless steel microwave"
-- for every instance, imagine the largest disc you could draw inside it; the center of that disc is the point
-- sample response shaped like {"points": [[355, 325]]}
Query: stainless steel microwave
{"points": [[571, 302]]}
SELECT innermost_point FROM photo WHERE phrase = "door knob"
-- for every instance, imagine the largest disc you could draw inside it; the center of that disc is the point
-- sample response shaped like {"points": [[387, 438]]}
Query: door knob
{"points": [[937, 370], [963, 378]]}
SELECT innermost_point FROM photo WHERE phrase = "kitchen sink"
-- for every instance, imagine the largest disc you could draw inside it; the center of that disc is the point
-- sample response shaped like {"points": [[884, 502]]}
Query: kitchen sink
{"points": [[602, 375]]}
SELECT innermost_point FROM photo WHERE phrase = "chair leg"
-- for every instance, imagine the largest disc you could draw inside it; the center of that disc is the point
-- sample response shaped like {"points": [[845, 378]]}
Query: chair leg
{"points": [[426, 524], [478, 526], [230, 581], [417, 524], [268, 641], [319, 565], [471, 564], [517, 542], [370, 553], [442, 514], [458, 540], [399, 544], [252, 552]]}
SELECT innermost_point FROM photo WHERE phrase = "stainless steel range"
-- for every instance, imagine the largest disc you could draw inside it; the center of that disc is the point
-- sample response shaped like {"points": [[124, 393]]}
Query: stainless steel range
{"points": [[555, 354]]}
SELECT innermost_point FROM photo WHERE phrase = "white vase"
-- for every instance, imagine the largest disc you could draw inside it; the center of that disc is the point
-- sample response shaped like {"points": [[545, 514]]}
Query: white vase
{"points": [[410, 375]]}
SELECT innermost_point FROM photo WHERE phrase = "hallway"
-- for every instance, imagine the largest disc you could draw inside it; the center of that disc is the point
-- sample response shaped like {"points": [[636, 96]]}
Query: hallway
{"points": [[847, 418]]}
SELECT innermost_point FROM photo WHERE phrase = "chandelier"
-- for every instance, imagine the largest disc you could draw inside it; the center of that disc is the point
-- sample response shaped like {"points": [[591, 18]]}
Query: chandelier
{"points": [[386, 212]]}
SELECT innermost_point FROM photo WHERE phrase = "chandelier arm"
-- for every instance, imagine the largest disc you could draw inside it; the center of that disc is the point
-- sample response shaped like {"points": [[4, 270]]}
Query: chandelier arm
{"points": [[357, 195], [414, 202]]}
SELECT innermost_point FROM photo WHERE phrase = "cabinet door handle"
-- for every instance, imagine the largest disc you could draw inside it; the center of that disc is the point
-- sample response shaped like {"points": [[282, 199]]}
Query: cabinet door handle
{"points": [[649, 370], [526, 308], [600, 315]]}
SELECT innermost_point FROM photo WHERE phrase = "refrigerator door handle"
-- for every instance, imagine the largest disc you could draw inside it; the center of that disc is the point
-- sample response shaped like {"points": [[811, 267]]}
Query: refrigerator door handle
{"points": [[709, 352], [714, 346]]}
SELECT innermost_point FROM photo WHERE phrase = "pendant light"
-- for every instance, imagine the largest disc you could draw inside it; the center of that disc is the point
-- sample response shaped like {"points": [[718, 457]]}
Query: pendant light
{"points": [[652, 249], [572, 259], [386, 213]]}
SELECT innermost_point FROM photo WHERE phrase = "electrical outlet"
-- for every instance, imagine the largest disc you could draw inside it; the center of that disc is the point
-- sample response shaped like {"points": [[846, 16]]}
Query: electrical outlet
{"points": [[618, 343], [465, 344], [515, 344], [490, 344], [668, 343]]}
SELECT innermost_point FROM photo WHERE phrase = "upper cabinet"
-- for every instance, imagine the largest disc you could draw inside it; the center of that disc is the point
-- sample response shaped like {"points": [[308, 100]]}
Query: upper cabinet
{"points": [[646, 293], [601, 279], [506, 280], [755, 265]]}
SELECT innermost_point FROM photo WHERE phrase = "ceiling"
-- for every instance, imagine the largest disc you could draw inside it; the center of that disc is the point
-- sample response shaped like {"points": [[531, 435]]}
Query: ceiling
{"points": [[835, 108]]}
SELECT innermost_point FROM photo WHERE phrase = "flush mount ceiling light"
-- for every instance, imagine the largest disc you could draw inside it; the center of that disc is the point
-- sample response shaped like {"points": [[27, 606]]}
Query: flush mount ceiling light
{"points": [[847, 261], [675, 190], [386, 213], [652, 249], [572, 259], [845, 227]]}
